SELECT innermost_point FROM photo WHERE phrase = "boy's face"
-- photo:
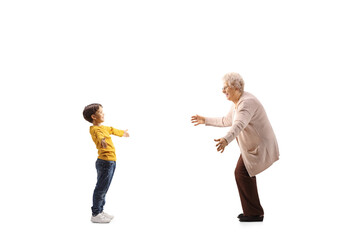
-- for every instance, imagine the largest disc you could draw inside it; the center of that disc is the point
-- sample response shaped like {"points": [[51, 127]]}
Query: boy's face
{"points": [[98, 117]]}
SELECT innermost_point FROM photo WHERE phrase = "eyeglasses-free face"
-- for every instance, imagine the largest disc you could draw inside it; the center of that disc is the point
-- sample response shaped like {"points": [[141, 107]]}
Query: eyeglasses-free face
{"points": [[99, 116]]}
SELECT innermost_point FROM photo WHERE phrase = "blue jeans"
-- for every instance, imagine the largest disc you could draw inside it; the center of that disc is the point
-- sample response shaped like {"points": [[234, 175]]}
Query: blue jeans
{"points": [[105, 173]]}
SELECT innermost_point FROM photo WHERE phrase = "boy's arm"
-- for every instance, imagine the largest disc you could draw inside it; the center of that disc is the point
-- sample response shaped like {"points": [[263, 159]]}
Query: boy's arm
{"points": [[117, 132], [100, 137]]}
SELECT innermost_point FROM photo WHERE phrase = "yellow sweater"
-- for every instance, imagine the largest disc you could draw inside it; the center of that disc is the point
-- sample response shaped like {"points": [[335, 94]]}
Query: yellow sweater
{"points": [[100, 132]]}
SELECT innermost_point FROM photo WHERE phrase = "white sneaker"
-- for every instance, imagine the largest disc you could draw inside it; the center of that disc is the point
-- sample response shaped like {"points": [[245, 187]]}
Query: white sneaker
{"points": [[108, 215], [100, 218]]}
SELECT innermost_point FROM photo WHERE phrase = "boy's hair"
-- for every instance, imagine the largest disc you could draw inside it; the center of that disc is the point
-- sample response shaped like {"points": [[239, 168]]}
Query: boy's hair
{"points": [[90, 110]]}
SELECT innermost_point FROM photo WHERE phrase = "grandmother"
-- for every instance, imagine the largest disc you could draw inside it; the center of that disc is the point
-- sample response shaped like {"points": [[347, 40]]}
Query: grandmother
{"points": [[252, 130]]}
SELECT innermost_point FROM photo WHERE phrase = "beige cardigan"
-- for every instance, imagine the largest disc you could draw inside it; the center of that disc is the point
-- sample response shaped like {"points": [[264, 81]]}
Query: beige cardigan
{"points": [[253, 132]]}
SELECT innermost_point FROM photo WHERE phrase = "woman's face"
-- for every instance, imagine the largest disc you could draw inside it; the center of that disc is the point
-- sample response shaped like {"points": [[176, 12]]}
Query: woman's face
{"points": [[230, 92]]}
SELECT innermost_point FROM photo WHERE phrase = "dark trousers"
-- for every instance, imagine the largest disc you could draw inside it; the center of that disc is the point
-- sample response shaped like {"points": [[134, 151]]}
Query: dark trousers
{"points": [[105, 172], [247, 190]]}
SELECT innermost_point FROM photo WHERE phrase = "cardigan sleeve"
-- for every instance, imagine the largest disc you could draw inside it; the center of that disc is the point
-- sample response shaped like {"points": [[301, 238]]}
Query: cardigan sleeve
{"points": [[225, 121], [244, 113]]}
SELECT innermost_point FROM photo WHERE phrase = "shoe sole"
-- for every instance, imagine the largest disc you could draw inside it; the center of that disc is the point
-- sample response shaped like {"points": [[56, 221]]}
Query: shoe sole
{"points": [[99, 222], [242, 218]]}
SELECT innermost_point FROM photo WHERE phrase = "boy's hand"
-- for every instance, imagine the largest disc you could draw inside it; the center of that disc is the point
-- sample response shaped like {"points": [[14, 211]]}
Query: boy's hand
{"points": [[126, 134], [103, 143]]}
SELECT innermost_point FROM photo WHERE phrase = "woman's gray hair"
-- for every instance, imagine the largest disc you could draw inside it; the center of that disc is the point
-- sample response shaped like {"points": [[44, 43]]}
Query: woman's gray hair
{"points": [[234, 80]]}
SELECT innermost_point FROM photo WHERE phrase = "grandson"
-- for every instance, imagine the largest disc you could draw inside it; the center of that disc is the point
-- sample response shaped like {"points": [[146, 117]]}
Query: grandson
{"points": [[106, 162]]}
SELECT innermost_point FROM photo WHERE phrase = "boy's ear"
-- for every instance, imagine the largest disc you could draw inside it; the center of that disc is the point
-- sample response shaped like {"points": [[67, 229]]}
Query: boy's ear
{"points": [[93, 116]]}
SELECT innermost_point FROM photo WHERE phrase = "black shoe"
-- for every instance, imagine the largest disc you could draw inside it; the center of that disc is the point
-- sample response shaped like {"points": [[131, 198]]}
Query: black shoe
{"points": [[243, 218]]}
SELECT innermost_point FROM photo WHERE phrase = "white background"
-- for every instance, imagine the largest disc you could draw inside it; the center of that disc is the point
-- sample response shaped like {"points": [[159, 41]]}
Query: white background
{"points": [[154, 64]]}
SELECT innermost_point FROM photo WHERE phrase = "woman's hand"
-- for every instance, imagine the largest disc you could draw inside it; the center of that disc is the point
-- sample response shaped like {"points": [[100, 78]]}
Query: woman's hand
{"points": [[197, 120], [222, 143], [126, 134]]}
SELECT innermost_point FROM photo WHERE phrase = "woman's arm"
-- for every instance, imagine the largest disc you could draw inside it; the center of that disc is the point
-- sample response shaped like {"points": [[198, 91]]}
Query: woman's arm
{"points": [[244, 114], [225, 121]]}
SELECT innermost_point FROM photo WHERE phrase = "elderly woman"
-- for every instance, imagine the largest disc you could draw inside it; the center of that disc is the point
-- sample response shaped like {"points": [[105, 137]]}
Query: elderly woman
{"points": [[255, 137]]}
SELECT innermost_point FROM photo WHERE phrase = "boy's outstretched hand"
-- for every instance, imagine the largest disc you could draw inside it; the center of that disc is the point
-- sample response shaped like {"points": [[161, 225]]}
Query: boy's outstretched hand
{"points": [[103, 143], [126, 134]]}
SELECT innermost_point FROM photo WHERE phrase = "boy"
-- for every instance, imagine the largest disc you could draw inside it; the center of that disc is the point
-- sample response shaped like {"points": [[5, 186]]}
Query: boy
{"points": [[106, 162]]}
